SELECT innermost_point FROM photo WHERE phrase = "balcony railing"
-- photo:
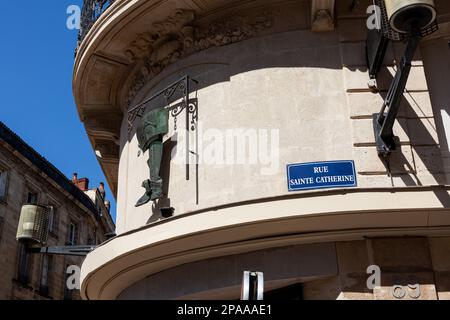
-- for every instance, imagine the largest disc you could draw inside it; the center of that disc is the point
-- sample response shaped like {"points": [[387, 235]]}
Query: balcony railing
{"points": [[92, 10]]}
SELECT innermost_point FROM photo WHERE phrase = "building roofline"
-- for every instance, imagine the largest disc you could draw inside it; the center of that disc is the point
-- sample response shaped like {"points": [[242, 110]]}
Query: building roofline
{"points": [[18, 144]]}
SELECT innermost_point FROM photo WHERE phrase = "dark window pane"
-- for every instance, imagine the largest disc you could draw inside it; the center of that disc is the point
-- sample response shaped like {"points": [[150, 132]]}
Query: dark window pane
{"points": [[24, 264], [3, 186], [32, 198], [72, 234]]}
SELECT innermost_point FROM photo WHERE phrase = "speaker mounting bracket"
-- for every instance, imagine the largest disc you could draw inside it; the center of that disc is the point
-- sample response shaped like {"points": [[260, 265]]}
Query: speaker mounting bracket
{"points": [[384, 121]]}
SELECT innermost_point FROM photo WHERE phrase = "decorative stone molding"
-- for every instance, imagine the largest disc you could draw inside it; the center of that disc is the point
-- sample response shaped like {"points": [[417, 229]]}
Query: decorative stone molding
{"points": [[166, 38], [322, 15], [232, 30], [178, 37], [105, 126]]}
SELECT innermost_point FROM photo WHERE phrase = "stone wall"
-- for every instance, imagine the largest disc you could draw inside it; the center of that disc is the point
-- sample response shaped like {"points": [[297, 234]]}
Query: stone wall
{"points": [[310, 87], [23, 177], [418, 160], [411, 269]]}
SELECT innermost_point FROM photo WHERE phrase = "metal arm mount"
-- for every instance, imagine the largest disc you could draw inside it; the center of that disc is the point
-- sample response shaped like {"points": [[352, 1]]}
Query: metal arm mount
{"points": [[376, 48], [384, 121], [65, 251]]}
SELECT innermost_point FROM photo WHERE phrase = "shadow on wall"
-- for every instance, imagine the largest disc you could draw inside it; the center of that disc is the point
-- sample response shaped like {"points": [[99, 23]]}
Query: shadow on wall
{"points": [[295, 49], [427, 153], [220, 64], [315, 50]]}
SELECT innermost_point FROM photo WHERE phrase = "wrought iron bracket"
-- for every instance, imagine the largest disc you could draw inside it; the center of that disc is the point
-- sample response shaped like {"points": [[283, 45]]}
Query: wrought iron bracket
{"points": [[65, 251], [376, 48], [175, 91]]}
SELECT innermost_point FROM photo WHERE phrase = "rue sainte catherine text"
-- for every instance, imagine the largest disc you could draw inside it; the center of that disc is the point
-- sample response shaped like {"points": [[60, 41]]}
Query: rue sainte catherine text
{"points": [[322, 179]]}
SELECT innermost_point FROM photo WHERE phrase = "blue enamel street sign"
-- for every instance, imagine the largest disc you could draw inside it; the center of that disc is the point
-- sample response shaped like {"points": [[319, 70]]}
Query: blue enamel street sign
{"points": [[321, 175]]}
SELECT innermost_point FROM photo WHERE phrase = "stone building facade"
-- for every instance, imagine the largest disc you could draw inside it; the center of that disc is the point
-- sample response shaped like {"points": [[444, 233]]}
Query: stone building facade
{"points": [[293, 73], [78, 219]]}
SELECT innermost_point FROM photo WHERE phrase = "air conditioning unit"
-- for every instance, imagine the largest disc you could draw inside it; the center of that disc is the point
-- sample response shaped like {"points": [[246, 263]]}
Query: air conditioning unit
{"points": [[33, 224]]}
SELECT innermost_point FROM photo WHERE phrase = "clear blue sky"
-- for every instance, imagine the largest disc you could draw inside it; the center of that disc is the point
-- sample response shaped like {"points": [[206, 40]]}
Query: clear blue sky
{"points": [[37, 56]]}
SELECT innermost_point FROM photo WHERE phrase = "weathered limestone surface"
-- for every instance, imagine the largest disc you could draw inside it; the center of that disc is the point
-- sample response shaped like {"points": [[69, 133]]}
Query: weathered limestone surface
{"points": [[415, 127], [22, 178], [411, 269], [297, 72]]}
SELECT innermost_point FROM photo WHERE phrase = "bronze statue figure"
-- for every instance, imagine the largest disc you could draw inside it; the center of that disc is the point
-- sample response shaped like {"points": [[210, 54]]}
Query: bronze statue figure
{"points": [[150, 132]]}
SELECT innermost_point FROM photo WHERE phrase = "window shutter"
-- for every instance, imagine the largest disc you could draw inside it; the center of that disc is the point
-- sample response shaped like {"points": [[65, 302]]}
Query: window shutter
{"points": [[3, 189], [50, 221], [55, 222], [71, 233], [76, 235]]}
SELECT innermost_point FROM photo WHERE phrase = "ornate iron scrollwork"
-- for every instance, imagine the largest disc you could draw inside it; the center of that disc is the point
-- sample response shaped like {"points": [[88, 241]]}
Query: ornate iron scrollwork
{"points": [[177, 90], [181, 86], [92, 10]]}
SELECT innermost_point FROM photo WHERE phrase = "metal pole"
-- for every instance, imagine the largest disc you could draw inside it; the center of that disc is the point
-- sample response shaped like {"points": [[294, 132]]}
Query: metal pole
{"points": [[397, 88], [156, 95], [384, 122], [65, 251], [187, 127]]}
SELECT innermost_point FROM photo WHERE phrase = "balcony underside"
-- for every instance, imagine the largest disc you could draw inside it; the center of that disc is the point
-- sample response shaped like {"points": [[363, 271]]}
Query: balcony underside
{"points": [[253, 226]]}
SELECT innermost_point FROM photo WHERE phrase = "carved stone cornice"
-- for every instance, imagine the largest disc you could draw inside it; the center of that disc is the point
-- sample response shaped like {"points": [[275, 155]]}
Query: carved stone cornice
{"points": [[178, 37], [103, 125]]}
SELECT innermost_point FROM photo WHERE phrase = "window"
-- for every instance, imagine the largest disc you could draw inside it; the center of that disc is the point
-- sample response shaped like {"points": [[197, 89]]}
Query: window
{"points": [[53, 222], [72, 234], [45, 274], [32, 198], [3, 185], [24, 264]]}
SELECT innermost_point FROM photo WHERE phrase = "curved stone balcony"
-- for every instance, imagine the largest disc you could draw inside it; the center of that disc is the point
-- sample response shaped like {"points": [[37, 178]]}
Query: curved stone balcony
{"points": [[296, 66], [271, 223]]}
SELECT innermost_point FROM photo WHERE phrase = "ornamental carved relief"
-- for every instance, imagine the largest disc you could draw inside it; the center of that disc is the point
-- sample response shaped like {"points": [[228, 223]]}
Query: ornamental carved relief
{"points": [[178, 37]]}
